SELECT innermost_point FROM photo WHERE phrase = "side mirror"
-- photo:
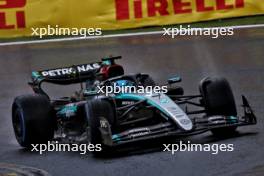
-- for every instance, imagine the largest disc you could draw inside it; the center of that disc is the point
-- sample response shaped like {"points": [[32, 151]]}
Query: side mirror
{"points": [[173, 80]]}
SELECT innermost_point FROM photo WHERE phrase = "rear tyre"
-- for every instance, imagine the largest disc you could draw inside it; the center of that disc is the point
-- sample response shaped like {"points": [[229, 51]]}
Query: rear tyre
{"points": [[32, 119], [97, 109], [218, 99], [175, 91], [146, 80]]}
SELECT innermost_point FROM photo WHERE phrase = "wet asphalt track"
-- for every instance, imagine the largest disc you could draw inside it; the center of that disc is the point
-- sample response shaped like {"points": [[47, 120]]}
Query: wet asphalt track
{"points": [[239, 58]]}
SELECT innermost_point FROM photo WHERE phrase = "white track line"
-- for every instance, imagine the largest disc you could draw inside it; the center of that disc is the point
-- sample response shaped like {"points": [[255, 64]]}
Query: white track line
{"points": [[110, 36]]}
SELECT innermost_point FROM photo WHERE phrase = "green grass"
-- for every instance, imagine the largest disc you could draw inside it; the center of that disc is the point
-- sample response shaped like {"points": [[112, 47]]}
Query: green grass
{"points": [[258, 19]]}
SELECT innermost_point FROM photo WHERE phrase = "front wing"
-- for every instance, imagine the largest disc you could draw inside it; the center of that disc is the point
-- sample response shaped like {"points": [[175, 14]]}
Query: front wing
{"points": [[200, 125]]}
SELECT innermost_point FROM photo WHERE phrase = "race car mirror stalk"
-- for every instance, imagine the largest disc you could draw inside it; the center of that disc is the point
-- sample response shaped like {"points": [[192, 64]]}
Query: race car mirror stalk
{"points": [[175, 79]]}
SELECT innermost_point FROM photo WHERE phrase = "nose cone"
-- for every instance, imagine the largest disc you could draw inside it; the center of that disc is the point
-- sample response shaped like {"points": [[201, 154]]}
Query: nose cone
{"points": [[186, 124]]}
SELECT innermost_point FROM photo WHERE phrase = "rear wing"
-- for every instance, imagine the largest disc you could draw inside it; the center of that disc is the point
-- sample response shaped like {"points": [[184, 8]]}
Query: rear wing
{"points": [[67, 75], [73, 74], [76, 74]]}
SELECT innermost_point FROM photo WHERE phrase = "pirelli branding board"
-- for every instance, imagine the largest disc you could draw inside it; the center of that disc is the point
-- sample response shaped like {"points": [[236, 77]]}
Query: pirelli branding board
{"points": [[18, 17]]}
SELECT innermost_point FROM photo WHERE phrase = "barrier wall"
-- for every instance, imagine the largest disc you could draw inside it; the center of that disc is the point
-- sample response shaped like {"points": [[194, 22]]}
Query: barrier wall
{"points": [[17, 17]]}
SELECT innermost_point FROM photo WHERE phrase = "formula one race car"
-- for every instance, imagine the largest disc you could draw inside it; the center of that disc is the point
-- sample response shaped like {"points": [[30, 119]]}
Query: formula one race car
{"points": [[117, 118]]}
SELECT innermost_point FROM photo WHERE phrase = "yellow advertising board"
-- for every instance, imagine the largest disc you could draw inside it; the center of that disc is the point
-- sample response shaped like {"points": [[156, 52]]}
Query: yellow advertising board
{"points": [[18, 17]]}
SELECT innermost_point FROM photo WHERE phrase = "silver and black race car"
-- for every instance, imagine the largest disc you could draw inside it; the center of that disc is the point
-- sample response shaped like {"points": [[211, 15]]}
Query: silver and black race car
{"points": [[118, 118]]}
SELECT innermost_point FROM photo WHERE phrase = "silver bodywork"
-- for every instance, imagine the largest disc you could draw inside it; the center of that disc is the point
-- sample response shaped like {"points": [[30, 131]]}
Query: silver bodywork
{"points": [[171, 109], [166, 105]]}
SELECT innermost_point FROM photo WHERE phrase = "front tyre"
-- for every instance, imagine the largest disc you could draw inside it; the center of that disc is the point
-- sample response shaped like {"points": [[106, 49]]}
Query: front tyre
{"points": [[98, 109], [33, 120], [218, 99]]}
